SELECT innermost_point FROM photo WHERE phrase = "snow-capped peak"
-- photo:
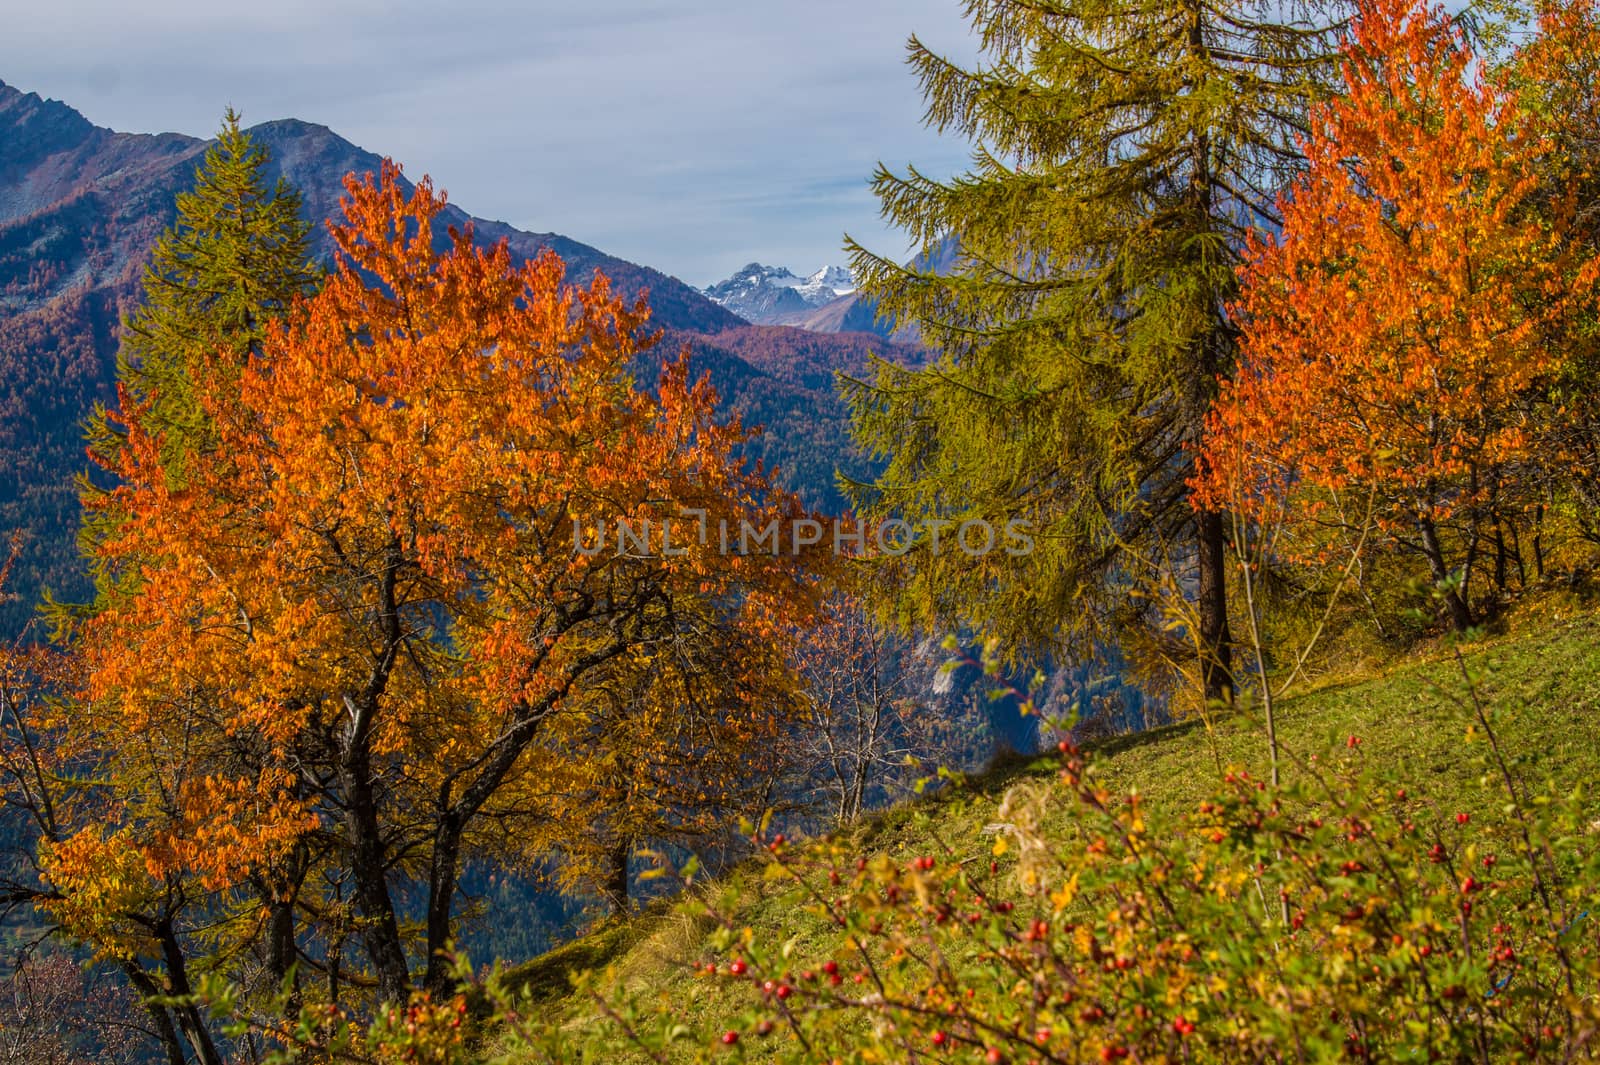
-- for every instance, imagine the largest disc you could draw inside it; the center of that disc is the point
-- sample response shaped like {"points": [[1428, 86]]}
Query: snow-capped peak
{"points": [[760, 293], [836, 279]]}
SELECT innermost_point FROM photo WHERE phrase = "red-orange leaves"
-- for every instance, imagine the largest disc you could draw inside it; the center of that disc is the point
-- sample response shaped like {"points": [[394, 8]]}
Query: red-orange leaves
{"points": [[1395, 329], [371, 593]]}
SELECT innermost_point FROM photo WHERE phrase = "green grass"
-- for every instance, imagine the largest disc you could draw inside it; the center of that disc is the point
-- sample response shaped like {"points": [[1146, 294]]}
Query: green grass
{"points": [[1542, 687]]}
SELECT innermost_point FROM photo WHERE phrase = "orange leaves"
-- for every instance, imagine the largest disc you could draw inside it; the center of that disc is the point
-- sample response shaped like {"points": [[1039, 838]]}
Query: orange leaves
{"points": [[1397, 326], [369, 597], [99, 879], [229, 827]]}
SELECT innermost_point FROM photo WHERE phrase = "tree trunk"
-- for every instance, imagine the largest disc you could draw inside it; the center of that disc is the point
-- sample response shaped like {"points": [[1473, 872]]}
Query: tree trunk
{"points": [[191, 1020], [278, 897], [858, 790], [1538, 543], [166, 1031], [1460, 612], [1501, 558], [368, 869], [614, 877], [441, 898], [1216, 641]]}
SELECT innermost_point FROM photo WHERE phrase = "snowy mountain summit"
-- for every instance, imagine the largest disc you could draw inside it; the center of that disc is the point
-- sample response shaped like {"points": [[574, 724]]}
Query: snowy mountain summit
{"points": [[765, 294]]}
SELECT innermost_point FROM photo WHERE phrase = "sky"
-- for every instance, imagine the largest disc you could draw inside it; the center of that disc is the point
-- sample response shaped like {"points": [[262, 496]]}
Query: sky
{"points": [[693, 136]]}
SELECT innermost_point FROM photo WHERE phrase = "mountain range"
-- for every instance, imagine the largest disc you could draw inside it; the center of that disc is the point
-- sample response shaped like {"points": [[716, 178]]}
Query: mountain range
{"points": [[823, 302], [81, 207], [763, 293]]}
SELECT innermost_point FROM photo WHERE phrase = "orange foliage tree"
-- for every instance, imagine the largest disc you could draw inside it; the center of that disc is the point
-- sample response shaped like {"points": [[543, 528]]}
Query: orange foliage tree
{"points": [[1399, 329], [680, 744], [1558, 72], [361, 629]]}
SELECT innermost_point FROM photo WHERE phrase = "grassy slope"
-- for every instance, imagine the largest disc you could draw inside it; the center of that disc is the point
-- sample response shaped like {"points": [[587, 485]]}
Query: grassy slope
{"points": [[1543, 685]]}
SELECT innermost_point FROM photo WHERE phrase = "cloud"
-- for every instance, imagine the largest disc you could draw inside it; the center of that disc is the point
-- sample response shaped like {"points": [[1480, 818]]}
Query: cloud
{"points": [[691, 135]]}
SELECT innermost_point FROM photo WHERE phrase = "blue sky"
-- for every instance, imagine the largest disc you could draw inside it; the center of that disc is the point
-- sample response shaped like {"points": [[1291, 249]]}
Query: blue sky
{"points": [[691, 135]]}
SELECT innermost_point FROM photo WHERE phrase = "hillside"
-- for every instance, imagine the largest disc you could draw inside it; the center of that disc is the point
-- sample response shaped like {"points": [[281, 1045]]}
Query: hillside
{"points": [[1542, 685]]}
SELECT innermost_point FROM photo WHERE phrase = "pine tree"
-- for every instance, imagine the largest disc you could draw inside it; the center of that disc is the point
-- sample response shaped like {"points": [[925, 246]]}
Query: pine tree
{"points": [[233, 261], [1123, 153]]}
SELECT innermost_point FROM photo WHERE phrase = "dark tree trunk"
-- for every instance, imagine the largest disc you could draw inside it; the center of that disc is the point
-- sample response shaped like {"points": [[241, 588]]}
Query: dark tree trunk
{"points": [[166, 1032], [614, 877], [278, 894], [1516, 556], [442, 872], [1538, 543], [1501, 558], [1216, 641], [1460, 613], [190, 1018], [280, 944], [370, 874]]}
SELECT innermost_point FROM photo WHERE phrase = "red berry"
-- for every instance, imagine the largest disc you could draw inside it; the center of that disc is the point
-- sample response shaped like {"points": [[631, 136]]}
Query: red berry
{"points": [[830, 966], [1463, 818], [737, 968], [994, 1057], [939, 1039], [730, 1037]]}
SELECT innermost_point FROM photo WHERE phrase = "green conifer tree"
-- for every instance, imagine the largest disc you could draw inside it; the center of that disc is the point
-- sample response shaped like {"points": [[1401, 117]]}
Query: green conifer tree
{"points": [[233, 261], [1124, 150]]}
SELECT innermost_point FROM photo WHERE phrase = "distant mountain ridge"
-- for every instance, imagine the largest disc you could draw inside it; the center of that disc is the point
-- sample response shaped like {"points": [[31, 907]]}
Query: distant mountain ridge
{"points": [[80, 208]]}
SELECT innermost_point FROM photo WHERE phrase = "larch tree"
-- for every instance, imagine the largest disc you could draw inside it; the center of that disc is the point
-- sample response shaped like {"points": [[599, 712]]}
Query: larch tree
{"points": [[232, 263], [377, 580], [1403, 330], [1124, 153]]}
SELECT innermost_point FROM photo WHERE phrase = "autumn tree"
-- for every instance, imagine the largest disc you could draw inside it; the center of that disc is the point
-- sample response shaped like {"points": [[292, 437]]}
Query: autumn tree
{"points": [[48, 793], [54, 1013], [235, 259], [1123, 155], [672, 748], [1557, 75], [374, 585], [1412, 308]]}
